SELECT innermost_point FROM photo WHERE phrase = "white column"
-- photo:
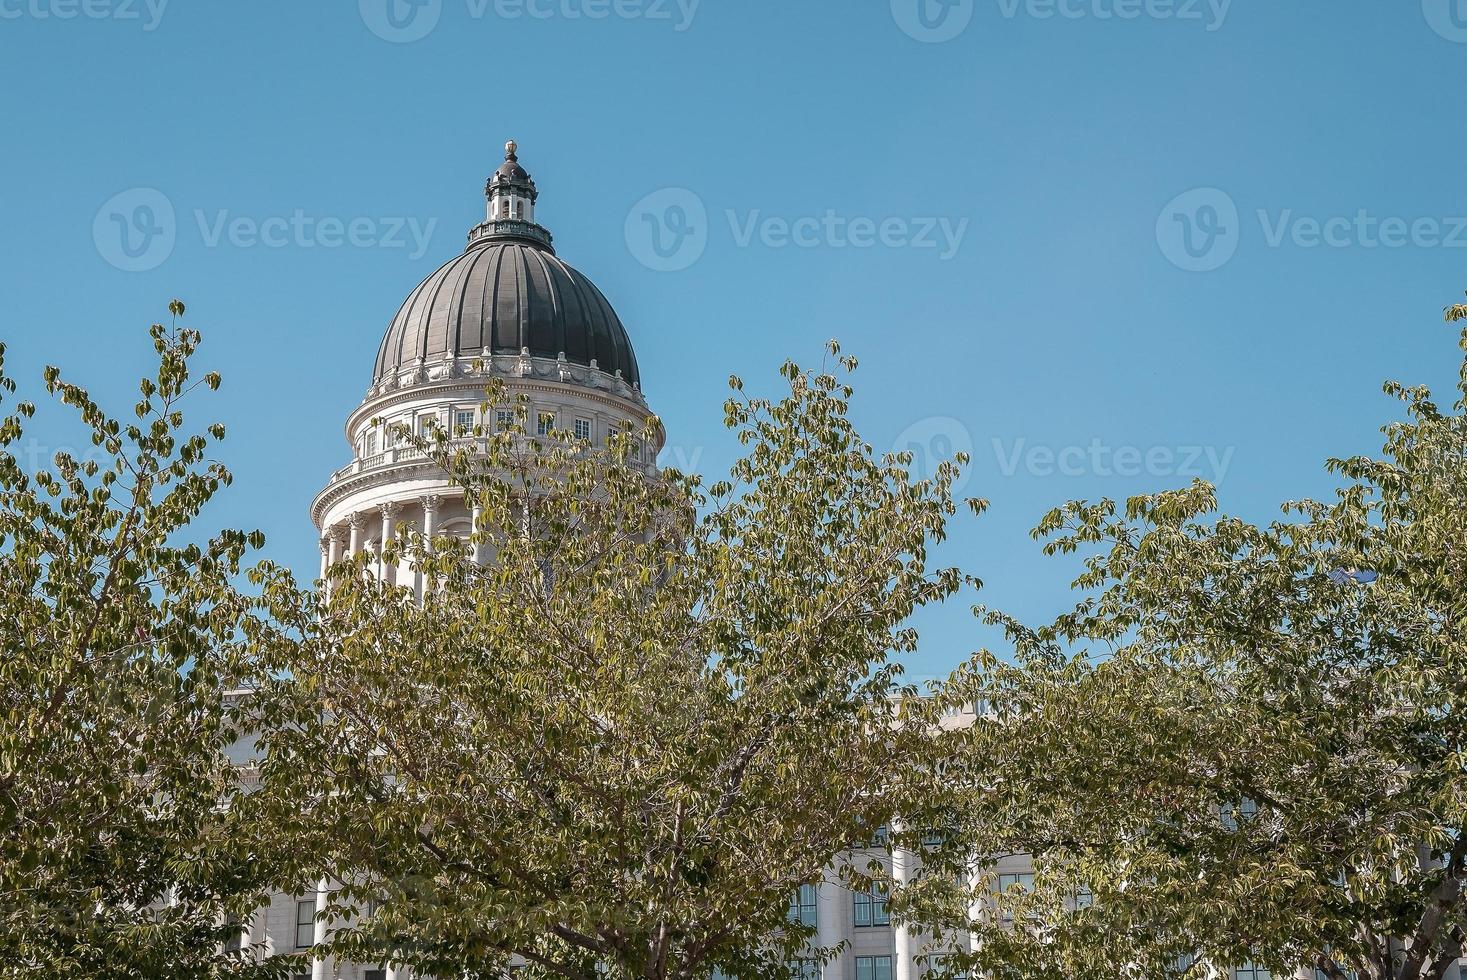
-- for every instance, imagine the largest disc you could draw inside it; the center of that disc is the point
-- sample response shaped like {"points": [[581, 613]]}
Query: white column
{"points": [[976, 907], [388, 573], [333, 554], [478, 512], [355, 523], [247, 937], [430, 504], [318, 962], [260, 934], [901, 873], [832, 902], [325, 554]]}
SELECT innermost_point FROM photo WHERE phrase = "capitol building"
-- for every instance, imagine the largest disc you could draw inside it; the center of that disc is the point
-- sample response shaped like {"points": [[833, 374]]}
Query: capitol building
{"points": [[510, 308]]}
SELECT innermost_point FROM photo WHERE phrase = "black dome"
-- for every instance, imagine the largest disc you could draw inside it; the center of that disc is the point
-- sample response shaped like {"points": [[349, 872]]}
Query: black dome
{"points": [[510, 170], [501, 296]]}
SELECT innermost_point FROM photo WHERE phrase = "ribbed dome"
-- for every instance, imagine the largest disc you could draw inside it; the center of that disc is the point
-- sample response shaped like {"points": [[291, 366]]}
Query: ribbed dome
{"points": [[503, 295]]}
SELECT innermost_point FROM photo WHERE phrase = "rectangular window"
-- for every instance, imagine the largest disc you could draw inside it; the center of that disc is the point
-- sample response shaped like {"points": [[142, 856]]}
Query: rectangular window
{"points": [[583, 430], [1180, 965], [870, 908], [374, 975], [235, 942], [1239, 815], [880, 837], [504, 419], [305, 923], [371, 449], [1012, 882], [937, 964], [1023, 882], [1251, 972], [873, 968], [805, 969], [802, 905], [463, 422], [425, 425], [544, 422]]}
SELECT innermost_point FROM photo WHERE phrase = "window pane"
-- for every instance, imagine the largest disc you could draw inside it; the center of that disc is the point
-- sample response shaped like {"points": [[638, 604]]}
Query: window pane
{"points": [[805, 905], [305, 923], [235, 942]]}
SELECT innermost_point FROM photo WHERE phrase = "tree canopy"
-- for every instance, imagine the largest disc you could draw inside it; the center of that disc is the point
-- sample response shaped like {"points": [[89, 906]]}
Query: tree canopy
{"points": [[1245, 743], [121, 852], [619, 743]]}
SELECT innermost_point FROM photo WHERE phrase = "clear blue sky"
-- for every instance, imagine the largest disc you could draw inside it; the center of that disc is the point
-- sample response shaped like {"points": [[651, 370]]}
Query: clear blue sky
{"points": [[1086, 158]]}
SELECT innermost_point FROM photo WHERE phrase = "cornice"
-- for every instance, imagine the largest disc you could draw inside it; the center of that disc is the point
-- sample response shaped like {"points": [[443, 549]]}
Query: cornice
{"points": [[382, 476], [519, 371]]}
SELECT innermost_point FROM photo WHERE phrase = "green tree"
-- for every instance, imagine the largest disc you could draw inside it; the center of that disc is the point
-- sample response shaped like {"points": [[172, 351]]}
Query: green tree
{"points": [[1244, 744], [618, 745], [122, 633]]}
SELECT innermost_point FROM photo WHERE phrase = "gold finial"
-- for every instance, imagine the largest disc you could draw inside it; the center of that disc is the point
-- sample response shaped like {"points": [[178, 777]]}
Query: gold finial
{"points": [[509, 149]]}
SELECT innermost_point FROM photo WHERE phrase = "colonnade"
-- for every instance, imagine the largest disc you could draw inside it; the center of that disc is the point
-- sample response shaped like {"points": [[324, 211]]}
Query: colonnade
{"points": [[369, 531]]}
